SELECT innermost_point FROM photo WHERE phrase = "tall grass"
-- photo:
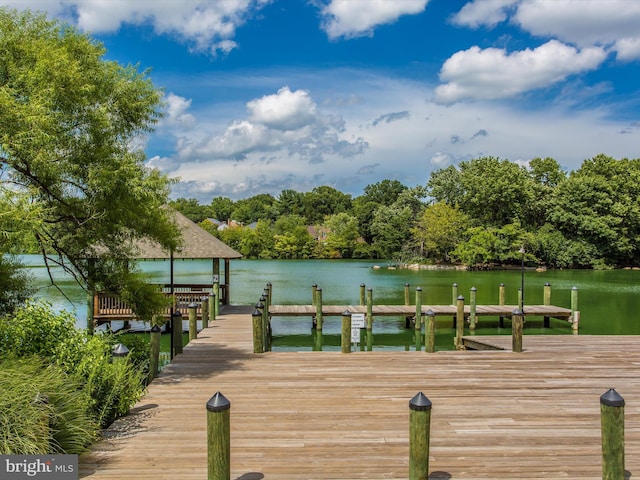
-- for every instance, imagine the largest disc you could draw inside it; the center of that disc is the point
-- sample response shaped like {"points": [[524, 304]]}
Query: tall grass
{"points": [[42, 410]]}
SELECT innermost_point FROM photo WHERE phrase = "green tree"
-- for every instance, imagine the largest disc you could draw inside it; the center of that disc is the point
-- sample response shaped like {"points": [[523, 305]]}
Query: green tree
{"points": [[546, 175], [342, 235], [191, 209], [258, 242], [258, 207], [491, 191], [221, 208], [323, 201], [600, 205], [439, 229], [290, 202], [70, 122], [385, 192]]}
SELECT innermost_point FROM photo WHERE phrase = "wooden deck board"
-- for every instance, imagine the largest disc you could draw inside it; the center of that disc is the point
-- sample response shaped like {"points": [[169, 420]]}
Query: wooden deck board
{"points": [[327, 415]]}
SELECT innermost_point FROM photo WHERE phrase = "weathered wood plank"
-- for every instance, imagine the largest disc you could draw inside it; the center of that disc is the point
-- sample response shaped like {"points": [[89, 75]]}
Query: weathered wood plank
{"points": [[326, 415]]}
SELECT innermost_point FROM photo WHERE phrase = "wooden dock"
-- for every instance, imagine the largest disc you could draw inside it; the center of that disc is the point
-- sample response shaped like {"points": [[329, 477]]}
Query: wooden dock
{"points": [[328, 415]]}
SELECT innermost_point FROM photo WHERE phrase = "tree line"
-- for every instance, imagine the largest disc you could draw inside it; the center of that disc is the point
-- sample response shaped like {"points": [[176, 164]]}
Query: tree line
{"points": [[479, 213]]}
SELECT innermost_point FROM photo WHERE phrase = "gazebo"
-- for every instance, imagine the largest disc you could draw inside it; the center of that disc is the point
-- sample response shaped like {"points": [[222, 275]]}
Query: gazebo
{"points": [[197, 244]]}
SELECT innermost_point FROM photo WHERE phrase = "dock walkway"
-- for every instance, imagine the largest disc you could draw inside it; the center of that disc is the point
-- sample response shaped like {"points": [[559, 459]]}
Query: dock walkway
{"points": [[328, 415]]}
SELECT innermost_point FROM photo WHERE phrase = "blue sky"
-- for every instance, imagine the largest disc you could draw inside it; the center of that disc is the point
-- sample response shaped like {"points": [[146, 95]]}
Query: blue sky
{"points": [[267, 95]]}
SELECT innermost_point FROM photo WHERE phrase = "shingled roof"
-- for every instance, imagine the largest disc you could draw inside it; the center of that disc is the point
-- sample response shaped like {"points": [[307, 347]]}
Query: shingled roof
{"points": [[197, 243]]}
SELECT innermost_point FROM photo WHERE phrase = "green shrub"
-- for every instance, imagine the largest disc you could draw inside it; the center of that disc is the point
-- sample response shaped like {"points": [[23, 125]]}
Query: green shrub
{"points": [[36, 330], [42, 410]]}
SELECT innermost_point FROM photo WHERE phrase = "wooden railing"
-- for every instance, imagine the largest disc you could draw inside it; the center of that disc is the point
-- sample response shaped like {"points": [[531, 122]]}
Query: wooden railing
{"points": [[108, 307]]}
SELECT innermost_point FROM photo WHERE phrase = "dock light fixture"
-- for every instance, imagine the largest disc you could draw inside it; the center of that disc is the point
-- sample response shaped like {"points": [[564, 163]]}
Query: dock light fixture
{"points": [[119, 352]]}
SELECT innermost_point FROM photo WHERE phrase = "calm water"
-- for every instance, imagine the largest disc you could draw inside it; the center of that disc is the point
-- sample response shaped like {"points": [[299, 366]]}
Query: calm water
{"points": [[608, 300]]}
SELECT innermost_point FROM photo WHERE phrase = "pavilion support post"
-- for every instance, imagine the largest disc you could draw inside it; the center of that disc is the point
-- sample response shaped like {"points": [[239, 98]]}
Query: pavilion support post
{"points": [[459, 322], [419, 436], [216, 285], [227, 281], [612, 425], [473, 319], [546, 301]]}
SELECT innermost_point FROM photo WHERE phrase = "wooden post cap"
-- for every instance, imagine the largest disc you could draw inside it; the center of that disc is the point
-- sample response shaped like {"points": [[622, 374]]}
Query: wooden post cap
{"points": [[430, 313], [516, 312], [218, 403], [420, 403], [155, 329], [256, 312], [611, 398]]}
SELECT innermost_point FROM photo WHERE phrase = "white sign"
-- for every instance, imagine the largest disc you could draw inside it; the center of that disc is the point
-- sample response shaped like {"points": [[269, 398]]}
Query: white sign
{"points": [[216, 279], [357, 322]]}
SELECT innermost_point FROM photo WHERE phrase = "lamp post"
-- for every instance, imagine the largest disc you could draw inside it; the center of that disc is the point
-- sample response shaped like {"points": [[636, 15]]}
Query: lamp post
{"points": [[522, 251]]}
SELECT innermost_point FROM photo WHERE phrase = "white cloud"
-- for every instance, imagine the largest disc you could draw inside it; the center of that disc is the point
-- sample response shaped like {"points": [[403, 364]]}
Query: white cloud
{"points": [[176, 111], [356, 18], [611, 23], [285, 110], [207, 25], [483, 12], [493, 73], [440, 160], [628, 49], [285, 122], [263, 159], [583, 22]]}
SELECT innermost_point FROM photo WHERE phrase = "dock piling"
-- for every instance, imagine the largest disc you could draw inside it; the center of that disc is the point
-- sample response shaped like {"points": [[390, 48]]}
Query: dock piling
{"points": [[346, 332], [258, 336], [501, 299], [176, 331], [218, 438], [212, 306], [193, 321], [205, 311], [517, 321], [369, 319], [574, 308], [407, 299], [318, 309], [155, 352], [612, 425], [430, 332], [459, 322], [419, 436], [472, 308], [454, 301], [546, 300], [362, 292]]}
